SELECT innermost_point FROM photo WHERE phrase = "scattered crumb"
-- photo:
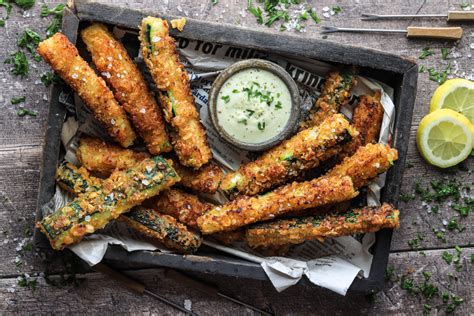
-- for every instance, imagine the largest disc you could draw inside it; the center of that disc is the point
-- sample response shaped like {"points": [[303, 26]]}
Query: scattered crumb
{"points": [[188, 304], [178, 24]]}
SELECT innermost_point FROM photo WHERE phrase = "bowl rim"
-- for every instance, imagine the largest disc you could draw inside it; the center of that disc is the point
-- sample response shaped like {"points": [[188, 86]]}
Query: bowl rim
{"points": [[273, 68]]}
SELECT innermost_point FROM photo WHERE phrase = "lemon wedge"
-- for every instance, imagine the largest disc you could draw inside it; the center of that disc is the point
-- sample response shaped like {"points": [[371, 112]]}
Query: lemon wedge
{"points": [[455, 94], [445, 138]]}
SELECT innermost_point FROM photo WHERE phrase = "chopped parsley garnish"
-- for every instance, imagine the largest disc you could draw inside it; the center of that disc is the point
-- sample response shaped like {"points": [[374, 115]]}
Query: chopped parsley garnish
{"points": [[261, 126], [214, 2], [24, 112], [249, 112], [8, 8], [425, 52], [57, 10], [407, 197], [235, 91], [20, 63], [407, 284], [48, 78], [465, 4], [439, 77], [30, 39], [314, 16], [226, 98], [453, 224], [336, 9], [256, 11], [278, 105], [16, 100], [54, 26], [462, 209], [23, 281], [421, 69], [444, 53], [415, 242], [25, 4], [281, 10], [456, 301], [242, 121], [447, 257]]}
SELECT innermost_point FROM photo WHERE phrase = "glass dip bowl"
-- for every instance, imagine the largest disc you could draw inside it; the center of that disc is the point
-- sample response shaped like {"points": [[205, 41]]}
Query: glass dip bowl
{"points": [[254, 104]]}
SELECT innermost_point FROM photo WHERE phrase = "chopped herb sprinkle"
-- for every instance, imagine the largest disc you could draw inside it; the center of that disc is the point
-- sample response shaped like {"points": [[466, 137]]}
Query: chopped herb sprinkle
{"points": [[16, 100]]}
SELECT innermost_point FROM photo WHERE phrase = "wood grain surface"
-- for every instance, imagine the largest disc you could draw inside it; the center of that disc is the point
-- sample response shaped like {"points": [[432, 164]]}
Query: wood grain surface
{"points": [[21, 140]]}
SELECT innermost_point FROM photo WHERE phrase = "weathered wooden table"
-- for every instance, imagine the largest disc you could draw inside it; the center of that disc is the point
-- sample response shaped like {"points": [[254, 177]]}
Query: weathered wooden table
{"points": [[21, 141]]}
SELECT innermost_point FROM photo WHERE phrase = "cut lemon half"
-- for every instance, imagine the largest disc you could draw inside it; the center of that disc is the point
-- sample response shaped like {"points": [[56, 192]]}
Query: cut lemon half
{"points": [[457, 95], [445, 138]]}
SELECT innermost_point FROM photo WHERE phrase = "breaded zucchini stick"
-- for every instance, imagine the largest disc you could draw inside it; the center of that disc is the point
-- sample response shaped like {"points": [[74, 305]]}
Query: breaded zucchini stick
{"points": [[102, 158], [334, 93], [292, 197], [367, 119], [117, 194], [306, 150], [183, 206], [283, 232], [159, 52], [163, 228], [74, 180], [368, 162], [131, 91], [206, 179], [64, 58]]}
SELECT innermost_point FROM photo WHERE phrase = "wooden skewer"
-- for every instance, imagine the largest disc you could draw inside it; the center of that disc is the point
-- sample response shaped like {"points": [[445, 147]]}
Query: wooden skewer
{"points": [[452, 16], [445, 33]]}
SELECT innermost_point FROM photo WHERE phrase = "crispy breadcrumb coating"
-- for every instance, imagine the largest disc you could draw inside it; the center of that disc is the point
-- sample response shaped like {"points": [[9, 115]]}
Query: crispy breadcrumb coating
{"points": [[334, 93], [163, 228], [117, 68], [159, 52], [367, 163], [283, 232], [304, 151], [367, 120], [74, 180], [64, 58], [103, 158], [183, 206], [292, 197], [116, 195]]}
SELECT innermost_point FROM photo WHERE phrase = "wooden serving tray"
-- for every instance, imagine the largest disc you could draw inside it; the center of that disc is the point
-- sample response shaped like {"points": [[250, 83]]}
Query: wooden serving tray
{"points": [[398, 72]]}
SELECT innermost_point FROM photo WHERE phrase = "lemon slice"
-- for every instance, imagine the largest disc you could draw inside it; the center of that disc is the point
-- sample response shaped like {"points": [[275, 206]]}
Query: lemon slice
{"points": [[457, 95], [445, 138]]}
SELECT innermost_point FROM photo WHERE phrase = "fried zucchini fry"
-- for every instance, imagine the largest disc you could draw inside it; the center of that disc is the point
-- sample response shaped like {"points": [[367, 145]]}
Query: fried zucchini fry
{"points": [[74, 180], [159, 52], [295, 196], [64, 58], [368, 162], [117, 194], [367, 119], [306, 150], [102, 158], [183, 206], [206, 179], [335, 92], [163, 228], [284, 232], [130, 89]]}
